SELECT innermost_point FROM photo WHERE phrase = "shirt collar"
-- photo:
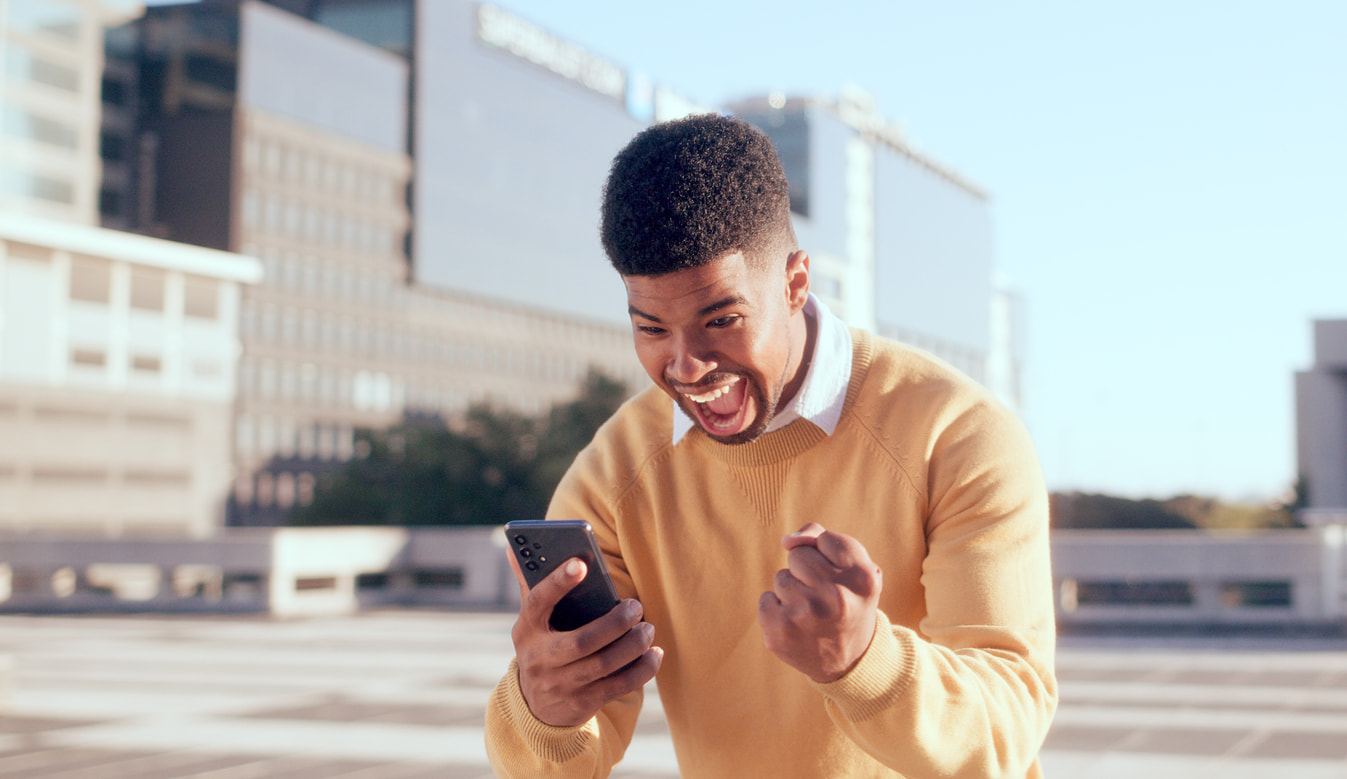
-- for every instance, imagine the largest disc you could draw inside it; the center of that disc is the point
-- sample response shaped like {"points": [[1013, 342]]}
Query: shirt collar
{"points": [[824, 391]]}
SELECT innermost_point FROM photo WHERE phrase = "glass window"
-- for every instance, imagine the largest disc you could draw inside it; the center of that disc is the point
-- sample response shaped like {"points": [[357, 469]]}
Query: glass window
{"points": [[147, 290], [23, 64], [90, 280], [89, 358], [201, 297], [22, 124], [43, 17]]}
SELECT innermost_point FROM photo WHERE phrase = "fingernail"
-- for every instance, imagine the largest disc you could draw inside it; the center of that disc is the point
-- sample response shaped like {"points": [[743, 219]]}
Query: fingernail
{"points": [[647, 630], [632, 609], [573, 567]]}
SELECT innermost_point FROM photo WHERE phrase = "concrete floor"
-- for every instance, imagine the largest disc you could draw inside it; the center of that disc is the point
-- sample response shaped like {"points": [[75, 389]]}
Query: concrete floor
{"points": [[401, 694]]}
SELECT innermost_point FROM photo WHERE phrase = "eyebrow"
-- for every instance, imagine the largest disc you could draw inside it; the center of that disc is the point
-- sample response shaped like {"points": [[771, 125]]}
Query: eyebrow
{"points": [[732, 300]]}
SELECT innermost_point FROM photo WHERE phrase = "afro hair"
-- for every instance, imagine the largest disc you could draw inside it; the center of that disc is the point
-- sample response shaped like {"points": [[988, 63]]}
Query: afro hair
{"points": [[685, 193]]}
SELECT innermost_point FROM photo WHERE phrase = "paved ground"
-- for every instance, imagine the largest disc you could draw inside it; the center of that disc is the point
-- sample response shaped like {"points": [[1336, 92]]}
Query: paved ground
{"points": [[401, 694]]}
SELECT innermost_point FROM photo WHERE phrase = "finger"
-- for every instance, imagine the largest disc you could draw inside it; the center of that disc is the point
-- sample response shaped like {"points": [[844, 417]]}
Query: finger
{"points": [[807, 564], [616, 655], [842, 550], [805, 536], [633, 676], [590, 639], [769, 610], [545, 595]]}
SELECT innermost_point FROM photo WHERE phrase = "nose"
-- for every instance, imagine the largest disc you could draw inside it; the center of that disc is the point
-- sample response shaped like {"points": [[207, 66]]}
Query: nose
{"points": [[690, 362]]}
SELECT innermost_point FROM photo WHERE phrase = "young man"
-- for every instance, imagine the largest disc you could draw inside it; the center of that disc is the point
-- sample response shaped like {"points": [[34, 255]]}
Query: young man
{"points": [[833, 548]]}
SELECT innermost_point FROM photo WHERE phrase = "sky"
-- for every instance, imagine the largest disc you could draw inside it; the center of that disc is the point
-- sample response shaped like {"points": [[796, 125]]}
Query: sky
{"points": [[1168, 183]]}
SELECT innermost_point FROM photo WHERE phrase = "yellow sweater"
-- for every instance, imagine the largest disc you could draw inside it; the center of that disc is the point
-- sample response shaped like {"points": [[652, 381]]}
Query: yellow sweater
{"points": [[940, 484]]}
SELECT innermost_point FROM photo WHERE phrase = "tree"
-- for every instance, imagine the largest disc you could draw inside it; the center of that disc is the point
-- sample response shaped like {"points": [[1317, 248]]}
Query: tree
{"points": [[493, 467]]}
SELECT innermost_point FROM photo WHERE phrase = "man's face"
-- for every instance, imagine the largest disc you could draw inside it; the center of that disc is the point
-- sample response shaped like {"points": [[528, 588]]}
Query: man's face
{"points": [[724, 340]]}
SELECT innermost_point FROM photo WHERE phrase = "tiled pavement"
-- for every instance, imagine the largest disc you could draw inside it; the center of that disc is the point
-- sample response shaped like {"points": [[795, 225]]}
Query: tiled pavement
{"points": [[400, 694]]}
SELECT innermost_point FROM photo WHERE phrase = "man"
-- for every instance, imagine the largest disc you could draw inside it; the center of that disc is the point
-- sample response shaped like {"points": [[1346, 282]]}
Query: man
{"points": [[902, 627]]}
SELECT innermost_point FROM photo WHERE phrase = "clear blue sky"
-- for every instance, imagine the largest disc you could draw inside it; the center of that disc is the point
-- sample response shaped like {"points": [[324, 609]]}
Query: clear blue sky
{"points": [[1169, 185]]}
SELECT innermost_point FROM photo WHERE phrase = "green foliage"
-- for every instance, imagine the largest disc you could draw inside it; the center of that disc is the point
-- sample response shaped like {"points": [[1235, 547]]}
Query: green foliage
{"points": [[1080, 511], [493, 467]]}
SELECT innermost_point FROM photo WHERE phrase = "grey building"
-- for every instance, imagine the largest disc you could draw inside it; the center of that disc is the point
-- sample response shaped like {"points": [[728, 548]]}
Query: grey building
{"points": [[262, 131], [1321, 420], [900, 244], [421, 179]]}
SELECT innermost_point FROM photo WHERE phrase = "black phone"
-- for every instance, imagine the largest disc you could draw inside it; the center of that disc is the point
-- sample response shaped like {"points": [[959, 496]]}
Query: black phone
{"points": [[541, 545]]}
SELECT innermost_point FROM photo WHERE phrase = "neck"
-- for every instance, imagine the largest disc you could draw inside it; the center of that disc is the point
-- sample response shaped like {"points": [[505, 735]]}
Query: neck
{"points": [[804, 331]]}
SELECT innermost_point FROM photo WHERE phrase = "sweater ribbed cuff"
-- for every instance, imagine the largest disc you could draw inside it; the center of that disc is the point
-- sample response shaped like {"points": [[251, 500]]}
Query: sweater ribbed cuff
{"points": [[882, 674], [550, 742]]}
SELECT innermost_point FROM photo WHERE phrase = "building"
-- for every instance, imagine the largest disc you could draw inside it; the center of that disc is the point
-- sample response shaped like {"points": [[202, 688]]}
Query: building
{"points": [[899, 244], [1321, 422], [51, 63], [117, 352], [512, 133], [262, 132], [117, 356], [421, 181]]}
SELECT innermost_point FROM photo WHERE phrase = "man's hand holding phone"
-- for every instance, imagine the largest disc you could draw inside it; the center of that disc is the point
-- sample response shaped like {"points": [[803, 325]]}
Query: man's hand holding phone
{"points": [[567, 676]]}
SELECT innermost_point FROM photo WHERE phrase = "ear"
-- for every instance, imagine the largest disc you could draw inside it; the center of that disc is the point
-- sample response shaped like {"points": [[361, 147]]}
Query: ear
{"points": [[797, 280]]}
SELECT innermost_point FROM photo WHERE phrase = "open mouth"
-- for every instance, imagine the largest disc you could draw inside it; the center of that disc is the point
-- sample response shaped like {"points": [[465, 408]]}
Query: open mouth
{"points": [[722, 410]]}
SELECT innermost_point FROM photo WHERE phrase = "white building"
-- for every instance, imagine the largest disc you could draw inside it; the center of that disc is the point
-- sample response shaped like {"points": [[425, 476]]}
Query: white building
{"points": [[117, 360], [117, 352], [1321, 419]]}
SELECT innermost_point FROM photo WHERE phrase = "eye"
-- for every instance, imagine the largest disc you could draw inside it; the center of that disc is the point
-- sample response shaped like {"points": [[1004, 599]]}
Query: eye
{"points": [[722, 322], [650, 330]]}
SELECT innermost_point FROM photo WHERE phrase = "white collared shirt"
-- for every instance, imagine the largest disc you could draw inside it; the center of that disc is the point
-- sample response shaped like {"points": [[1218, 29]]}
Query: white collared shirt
{"points": [[824, 391]]}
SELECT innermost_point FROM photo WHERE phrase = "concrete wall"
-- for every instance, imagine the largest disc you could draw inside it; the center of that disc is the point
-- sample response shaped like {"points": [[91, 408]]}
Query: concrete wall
{"points": [[1165, 577]]}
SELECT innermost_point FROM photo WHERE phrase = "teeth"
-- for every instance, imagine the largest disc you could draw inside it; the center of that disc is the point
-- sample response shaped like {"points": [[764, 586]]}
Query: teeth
{"points": [[712, 395]]}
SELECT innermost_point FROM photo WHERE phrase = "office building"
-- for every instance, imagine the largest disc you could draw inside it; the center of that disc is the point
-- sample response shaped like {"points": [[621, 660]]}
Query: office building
{"points": [[421, 180], [50, 72], [117, 352], [1321, 420], [899, 244], [117, 356], [262, 132]]}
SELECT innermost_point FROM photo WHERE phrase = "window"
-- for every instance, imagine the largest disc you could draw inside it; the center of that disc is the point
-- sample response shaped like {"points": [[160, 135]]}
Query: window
{"points": [[89, 358], [145, 363], [43, 17], [23, 124], [201, 297], [90, 280], [23, 64], [147, 290]]}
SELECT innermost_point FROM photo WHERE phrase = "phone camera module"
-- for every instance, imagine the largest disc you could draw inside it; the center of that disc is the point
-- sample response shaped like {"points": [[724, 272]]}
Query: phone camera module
{"points": [[532, 566], [525, 553]]}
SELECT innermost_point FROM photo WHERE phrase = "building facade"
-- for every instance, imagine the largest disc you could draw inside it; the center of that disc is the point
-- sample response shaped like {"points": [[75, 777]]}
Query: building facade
{"points": [[421, 181], [117, 359], [263, 132], [117, 352], [1321, 420], [51, 63], [899, 244]]}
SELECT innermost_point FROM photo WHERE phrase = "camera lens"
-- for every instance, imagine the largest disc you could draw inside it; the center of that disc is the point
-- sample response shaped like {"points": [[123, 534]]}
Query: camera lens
{"points": [[525, 553], [520, 540]]}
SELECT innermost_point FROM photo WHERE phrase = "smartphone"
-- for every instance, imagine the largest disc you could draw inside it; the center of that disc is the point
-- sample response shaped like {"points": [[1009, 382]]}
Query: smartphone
{"points": [[542, 545]]}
